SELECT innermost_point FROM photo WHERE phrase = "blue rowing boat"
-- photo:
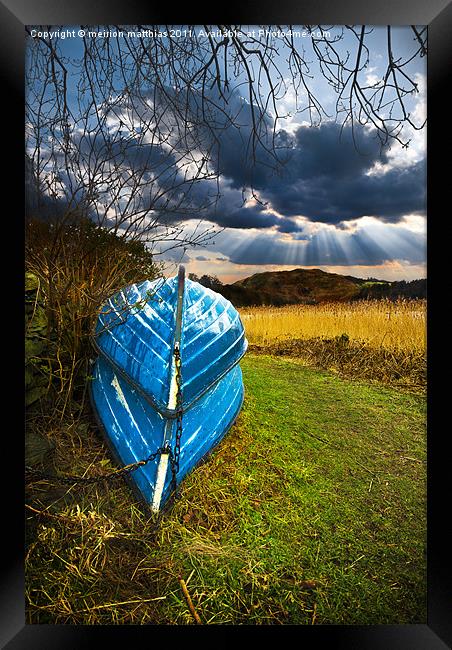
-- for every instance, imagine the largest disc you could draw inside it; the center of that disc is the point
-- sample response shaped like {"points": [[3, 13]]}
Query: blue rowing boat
{"points": [[166, 383]]}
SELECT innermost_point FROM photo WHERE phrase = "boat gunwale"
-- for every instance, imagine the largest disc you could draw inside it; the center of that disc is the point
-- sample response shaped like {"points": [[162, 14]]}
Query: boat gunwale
{"points": [[163, 410]]}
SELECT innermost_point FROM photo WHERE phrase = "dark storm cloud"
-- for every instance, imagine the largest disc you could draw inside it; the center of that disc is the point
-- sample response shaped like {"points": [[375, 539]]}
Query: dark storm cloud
{"points": [[389, 196], [325, 177], [290, 226], [327, 151], [133, 153], [43, 206], [251, 217], [239, 152]]}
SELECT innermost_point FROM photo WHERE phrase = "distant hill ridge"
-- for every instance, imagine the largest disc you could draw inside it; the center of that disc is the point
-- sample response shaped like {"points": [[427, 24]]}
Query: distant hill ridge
{"points": [[310, 286]]}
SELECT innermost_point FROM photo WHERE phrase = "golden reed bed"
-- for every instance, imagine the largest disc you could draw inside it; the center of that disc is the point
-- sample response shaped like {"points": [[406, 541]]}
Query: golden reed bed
{"points": [[399, 325]]}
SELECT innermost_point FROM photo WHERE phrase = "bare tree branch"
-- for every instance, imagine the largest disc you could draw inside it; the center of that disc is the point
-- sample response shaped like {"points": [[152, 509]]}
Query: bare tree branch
{"points": [[129, 131]]}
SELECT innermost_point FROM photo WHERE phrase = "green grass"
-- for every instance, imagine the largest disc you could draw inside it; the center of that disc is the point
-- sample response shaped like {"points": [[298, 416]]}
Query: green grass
{"points": [[311, 510]]}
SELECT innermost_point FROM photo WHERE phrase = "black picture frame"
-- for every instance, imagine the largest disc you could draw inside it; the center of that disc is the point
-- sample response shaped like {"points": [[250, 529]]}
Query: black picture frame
{"points": [[437, 14]]}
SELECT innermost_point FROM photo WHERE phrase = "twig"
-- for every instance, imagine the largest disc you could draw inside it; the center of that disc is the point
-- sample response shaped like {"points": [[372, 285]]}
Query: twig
{"points": [[47, 514], [189, 601], [314, 614], [306, 430], [125, 602], [366, 468]]}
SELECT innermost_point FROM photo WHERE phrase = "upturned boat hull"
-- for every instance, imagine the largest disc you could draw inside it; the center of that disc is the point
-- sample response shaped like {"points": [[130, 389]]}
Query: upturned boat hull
{"points": [[137, 392]]}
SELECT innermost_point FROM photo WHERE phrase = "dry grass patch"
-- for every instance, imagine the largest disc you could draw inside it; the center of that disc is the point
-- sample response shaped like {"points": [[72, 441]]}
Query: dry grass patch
{"points": [[374, 340], [398, 325]]}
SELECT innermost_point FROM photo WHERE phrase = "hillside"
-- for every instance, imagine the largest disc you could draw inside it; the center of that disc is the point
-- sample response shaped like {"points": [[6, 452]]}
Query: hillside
{"points": [[300, 285], [312, 286]]}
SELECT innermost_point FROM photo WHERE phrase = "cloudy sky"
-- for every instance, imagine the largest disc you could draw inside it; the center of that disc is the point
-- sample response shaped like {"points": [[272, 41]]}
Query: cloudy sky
{"points": [[338, 202]]}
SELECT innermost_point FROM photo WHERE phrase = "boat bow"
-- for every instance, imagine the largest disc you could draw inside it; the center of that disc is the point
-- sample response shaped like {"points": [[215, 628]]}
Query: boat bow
{"points": [[136, 333]]}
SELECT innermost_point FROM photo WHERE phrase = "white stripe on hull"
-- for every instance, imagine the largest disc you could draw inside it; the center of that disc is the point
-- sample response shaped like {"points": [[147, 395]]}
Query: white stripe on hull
{"points": [[160, 482], [163, 464]]}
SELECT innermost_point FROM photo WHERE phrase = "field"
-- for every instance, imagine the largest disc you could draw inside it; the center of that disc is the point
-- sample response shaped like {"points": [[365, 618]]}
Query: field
{"points": [[399, 325], [311, 511], [377, 340]]}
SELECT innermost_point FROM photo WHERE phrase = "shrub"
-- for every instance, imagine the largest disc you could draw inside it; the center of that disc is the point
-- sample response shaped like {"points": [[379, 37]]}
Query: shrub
{"points": [[72, 268]]}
